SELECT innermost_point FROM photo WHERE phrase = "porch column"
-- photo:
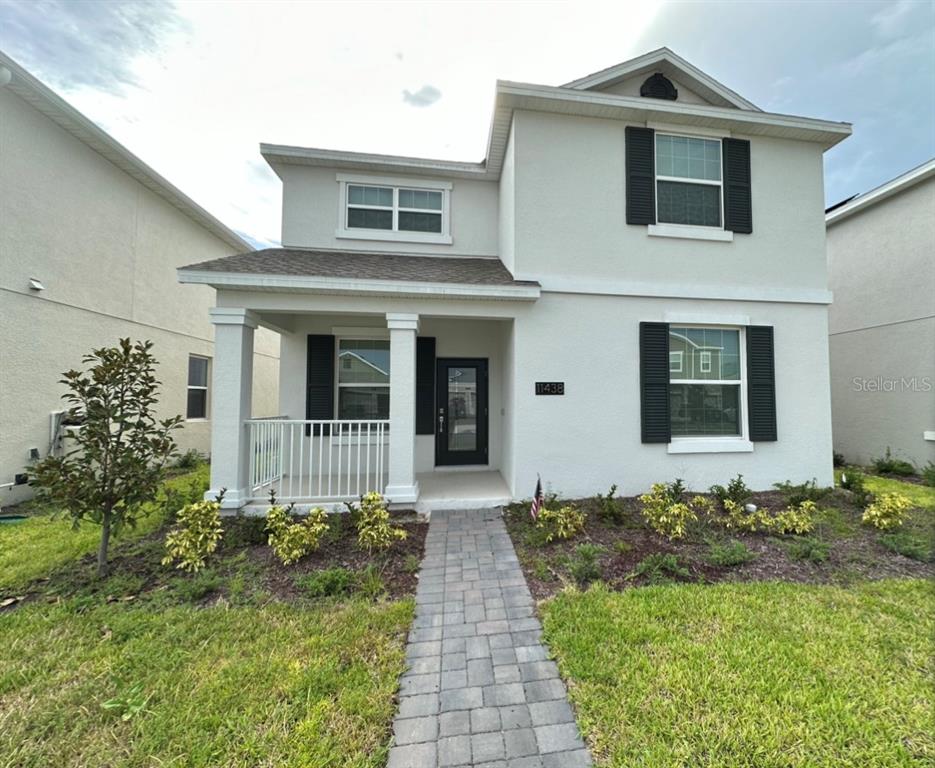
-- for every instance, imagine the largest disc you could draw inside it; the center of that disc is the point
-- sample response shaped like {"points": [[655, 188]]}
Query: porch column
{"points": [[231, 404], [401, 485]]}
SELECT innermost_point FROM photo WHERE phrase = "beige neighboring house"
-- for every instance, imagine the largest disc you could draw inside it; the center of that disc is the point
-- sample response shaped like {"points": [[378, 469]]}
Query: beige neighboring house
{"points": [[881, 257], [90, 238]]}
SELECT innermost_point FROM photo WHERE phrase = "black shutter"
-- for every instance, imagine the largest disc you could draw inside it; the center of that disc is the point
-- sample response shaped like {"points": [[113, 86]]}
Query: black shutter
{"points": [[654, 383], [319, 379], [761, 383], [425, 385], [738, 207], [641, 175]]}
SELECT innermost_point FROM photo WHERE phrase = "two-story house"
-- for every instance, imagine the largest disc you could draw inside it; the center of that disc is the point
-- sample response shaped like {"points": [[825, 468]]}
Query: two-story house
{"points": [[631, 287]]}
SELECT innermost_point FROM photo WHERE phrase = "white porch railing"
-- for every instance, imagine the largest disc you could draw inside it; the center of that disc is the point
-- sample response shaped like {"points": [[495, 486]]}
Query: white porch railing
{"points": [[317, 460]]}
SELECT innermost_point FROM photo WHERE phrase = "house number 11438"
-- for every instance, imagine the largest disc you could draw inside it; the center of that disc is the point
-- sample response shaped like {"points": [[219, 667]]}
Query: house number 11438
{"points": [[550, 387]]}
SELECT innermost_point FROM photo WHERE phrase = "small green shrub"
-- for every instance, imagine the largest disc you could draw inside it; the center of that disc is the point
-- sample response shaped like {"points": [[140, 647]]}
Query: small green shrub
{"points": [[539, 568], [189, 460], [621, 547], [242, 531], [729, 553], [608, 506], [888, 465], [838, 459], [330, 582], [795, 493], [796, 519], [928, 474], [659, 568], [908, 545], [675, 490], [291, 540], [855, 481], [809, 548], [562, 523], [584, 565], [196, 535], [736, 491], [887, 512], [198, 586], [665, 513], [411, 564], [374, 531], [370, 582]]}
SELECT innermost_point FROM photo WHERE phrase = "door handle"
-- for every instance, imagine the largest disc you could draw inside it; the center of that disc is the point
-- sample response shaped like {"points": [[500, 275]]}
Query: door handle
{"points": [[441, 422]]}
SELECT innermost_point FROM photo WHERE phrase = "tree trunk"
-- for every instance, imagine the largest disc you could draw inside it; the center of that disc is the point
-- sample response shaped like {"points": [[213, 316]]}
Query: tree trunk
{"points": [[105, 541]]}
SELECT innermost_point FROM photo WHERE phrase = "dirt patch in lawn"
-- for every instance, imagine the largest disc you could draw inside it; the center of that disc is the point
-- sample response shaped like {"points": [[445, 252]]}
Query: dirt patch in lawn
{"points": [[852, 551]]}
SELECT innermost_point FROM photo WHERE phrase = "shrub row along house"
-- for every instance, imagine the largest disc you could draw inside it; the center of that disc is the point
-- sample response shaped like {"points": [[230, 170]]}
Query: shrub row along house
{"points": [[630, 286], [89, 242]]}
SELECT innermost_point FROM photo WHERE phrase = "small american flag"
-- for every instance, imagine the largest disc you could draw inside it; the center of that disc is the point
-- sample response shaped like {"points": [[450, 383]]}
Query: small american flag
{"points": [[536, 500]]}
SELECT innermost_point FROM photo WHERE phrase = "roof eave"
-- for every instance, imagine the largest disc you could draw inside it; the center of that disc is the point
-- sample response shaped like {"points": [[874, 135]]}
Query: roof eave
{"points": [[881, 193]]}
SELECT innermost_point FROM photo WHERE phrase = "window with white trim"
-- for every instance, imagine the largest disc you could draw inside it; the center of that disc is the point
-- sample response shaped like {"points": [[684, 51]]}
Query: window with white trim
{"points": [[688, 181], [705, 395], [675, 362], [394, 209], [363, 379], [197, 403]]}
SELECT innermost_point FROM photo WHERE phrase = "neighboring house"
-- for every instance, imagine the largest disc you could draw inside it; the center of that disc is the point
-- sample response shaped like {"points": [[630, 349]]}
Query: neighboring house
{"points": [[530, 303], [90, 238], [881, 256]]}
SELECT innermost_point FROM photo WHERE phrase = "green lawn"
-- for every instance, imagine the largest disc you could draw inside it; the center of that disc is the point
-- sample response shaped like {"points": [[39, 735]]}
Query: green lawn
{"points": [[264, 686], [920, 495], [31, 549], [765, 675]]}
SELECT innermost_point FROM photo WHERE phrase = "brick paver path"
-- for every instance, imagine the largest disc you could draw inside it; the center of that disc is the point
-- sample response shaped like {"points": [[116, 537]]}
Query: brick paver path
{"points": [[479, 689]]}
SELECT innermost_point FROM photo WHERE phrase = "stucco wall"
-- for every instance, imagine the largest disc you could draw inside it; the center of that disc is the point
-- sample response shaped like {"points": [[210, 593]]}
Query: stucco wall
{"points": [[882, 325], [106, 250], [311, 209]]}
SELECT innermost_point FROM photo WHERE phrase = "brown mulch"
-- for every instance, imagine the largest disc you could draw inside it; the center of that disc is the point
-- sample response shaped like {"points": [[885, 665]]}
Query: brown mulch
{"points": [[855, 553]]}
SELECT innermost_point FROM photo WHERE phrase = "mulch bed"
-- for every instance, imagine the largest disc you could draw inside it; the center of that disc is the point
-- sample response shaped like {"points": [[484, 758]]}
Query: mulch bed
{"points": [[854, 554]]}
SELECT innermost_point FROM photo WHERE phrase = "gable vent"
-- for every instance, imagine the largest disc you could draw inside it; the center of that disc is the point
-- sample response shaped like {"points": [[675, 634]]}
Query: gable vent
{"points": [[659, 86]]}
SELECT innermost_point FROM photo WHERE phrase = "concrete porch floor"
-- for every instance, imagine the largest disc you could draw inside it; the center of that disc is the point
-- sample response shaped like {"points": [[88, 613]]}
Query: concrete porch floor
{"points": [[452, 490]]}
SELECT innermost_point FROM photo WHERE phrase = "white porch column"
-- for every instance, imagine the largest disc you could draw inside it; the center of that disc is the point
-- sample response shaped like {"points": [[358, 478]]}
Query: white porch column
{"points": [[401, 485], [231, 404]]}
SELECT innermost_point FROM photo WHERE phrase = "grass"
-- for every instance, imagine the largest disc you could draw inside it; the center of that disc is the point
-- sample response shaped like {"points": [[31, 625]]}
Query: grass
{"points": [[920, 495], [755, 674], [274, 685], [45, 541]]}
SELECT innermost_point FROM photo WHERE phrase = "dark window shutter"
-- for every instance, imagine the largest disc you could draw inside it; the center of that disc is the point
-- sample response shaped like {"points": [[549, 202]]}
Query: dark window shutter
{"points": [[738, 207], [641, 175], [319, 379], [761, 383], [654, 383], [425, 385]]}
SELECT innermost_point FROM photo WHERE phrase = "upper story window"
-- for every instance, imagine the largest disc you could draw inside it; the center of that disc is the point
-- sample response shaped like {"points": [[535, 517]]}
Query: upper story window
{"points": [[394, 210], [688, 181]]}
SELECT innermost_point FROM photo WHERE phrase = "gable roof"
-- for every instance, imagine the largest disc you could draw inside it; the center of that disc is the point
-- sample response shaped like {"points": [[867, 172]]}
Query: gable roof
{"points": [[53, 106], [672, 66], [852, 205]]}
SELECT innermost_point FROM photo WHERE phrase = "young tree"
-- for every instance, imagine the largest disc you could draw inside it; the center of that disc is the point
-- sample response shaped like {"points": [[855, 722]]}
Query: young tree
{"points": [[121, 448]]}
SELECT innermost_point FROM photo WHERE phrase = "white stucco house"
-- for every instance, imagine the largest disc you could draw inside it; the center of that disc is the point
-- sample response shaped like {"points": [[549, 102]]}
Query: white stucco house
{"points": [[881, 255], [90, 237], [522, 315]]}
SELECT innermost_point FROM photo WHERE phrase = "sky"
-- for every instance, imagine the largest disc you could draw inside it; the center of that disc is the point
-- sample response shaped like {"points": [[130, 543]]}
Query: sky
{"points": [[192, 88]]}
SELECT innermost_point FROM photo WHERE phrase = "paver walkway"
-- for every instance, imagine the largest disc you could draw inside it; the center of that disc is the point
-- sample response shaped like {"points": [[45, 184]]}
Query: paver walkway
{"points": [[479, 689]]}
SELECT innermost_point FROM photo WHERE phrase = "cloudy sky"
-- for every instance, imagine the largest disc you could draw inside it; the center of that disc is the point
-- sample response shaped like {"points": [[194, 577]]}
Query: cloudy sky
{"points": [[193, 87]]}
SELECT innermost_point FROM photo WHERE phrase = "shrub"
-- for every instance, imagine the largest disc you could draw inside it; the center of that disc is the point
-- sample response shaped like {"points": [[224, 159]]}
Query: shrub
{"points": [[796, 519], [189, 460], [242, 531], [887, 512], [621, 547], [808, 548], [675, 489], [795, 494], [291, 540], [370, 582], [730, 553], [561, 523], [374, 531], [664, 513], [736, 491], [609, 507], [584, 565], [838, 459], [330, 582], [888, 465], [196, 535], [928, 474], [855, 481], [908, 545], [738, 519], [411, 564], [660, 568]]}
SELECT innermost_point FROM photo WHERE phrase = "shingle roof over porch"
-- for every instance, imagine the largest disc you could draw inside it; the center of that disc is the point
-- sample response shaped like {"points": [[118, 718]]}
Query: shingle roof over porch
{"points": [[364, 266]]}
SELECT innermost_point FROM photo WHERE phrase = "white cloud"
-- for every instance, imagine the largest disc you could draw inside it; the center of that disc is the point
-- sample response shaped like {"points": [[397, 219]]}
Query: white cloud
{"points": [[424, 97]]}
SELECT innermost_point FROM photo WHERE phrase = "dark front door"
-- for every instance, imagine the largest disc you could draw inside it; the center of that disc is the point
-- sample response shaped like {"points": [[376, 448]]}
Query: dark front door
{"points": [[461, 411]]}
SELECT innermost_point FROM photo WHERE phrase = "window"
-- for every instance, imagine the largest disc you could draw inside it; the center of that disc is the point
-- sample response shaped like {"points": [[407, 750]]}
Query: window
{"points": [[363, 379], [705, 393], [688, 180], [197, 407], [675, 362], [396, 209]]}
